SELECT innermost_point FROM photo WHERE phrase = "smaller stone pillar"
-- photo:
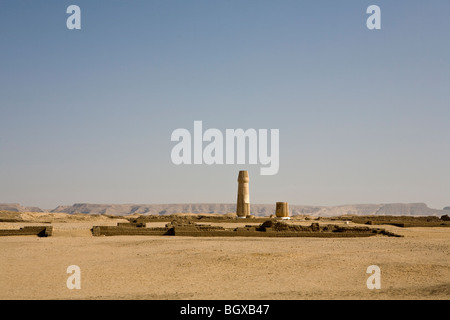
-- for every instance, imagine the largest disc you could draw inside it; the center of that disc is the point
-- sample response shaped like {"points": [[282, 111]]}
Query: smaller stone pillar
{"points": [[282, 210]]}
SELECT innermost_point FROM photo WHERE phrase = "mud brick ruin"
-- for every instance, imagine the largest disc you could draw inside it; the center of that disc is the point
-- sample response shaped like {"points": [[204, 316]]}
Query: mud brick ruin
{"points": [[270, 228], [403, 221], [40, 231], [130, 229]]}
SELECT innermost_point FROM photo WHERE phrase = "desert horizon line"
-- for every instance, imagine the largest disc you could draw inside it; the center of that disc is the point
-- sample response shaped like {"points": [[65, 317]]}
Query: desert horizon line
{"points": [[218, 203]]}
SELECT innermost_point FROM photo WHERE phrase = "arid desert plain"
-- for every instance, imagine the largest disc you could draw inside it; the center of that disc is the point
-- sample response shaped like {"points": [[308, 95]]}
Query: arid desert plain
{"points": [[415, 266]]}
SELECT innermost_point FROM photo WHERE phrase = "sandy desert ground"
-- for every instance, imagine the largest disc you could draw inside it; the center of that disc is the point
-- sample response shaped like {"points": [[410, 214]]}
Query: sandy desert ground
{"points": [[416, 266]]}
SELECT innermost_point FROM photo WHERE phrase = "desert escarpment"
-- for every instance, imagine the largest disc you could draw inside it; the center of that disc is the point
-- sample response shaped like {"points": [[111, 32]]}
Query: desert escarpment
{"points": [[397, 209], [400, 209]]}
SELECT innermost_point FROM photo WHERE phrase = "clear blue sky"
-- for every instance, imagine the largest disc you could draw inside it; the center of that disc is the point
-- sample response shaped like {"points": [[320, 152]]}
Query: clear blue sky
{"points": [[86, 115]]}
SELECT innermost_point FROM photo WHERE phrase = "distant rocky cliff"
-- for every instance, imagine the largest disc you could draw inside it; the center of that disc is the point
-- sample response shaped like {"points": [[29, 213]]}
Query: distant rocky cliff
{"points": [[15, 207], [398, 209]]}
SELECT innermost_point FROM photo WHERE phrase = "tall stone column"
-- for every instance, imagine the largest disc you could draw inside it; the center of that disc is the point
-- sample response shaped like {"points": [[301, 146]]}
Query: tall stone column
{"points": [[243, 198]]}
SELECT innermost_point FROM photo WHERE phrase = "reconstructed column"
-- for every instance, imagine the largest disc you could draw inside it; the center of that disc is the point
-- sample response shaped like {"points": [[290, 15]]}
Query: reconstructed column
{"points": [[243, 198], [282, 210]]}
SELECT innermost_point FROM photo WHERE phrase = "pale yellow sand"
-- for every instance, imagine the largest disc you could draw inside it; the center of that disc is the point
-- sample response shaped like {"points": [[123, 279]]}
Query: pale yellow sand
{"points": [[151, 267]]}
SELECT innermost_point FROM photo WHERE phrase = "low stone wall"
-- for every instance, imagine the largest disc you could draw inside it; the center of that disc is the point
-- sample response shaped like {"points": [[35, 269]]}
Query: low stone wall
{"points": [[40, 231], [129, 231], [270, 234], [402, 221]]}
